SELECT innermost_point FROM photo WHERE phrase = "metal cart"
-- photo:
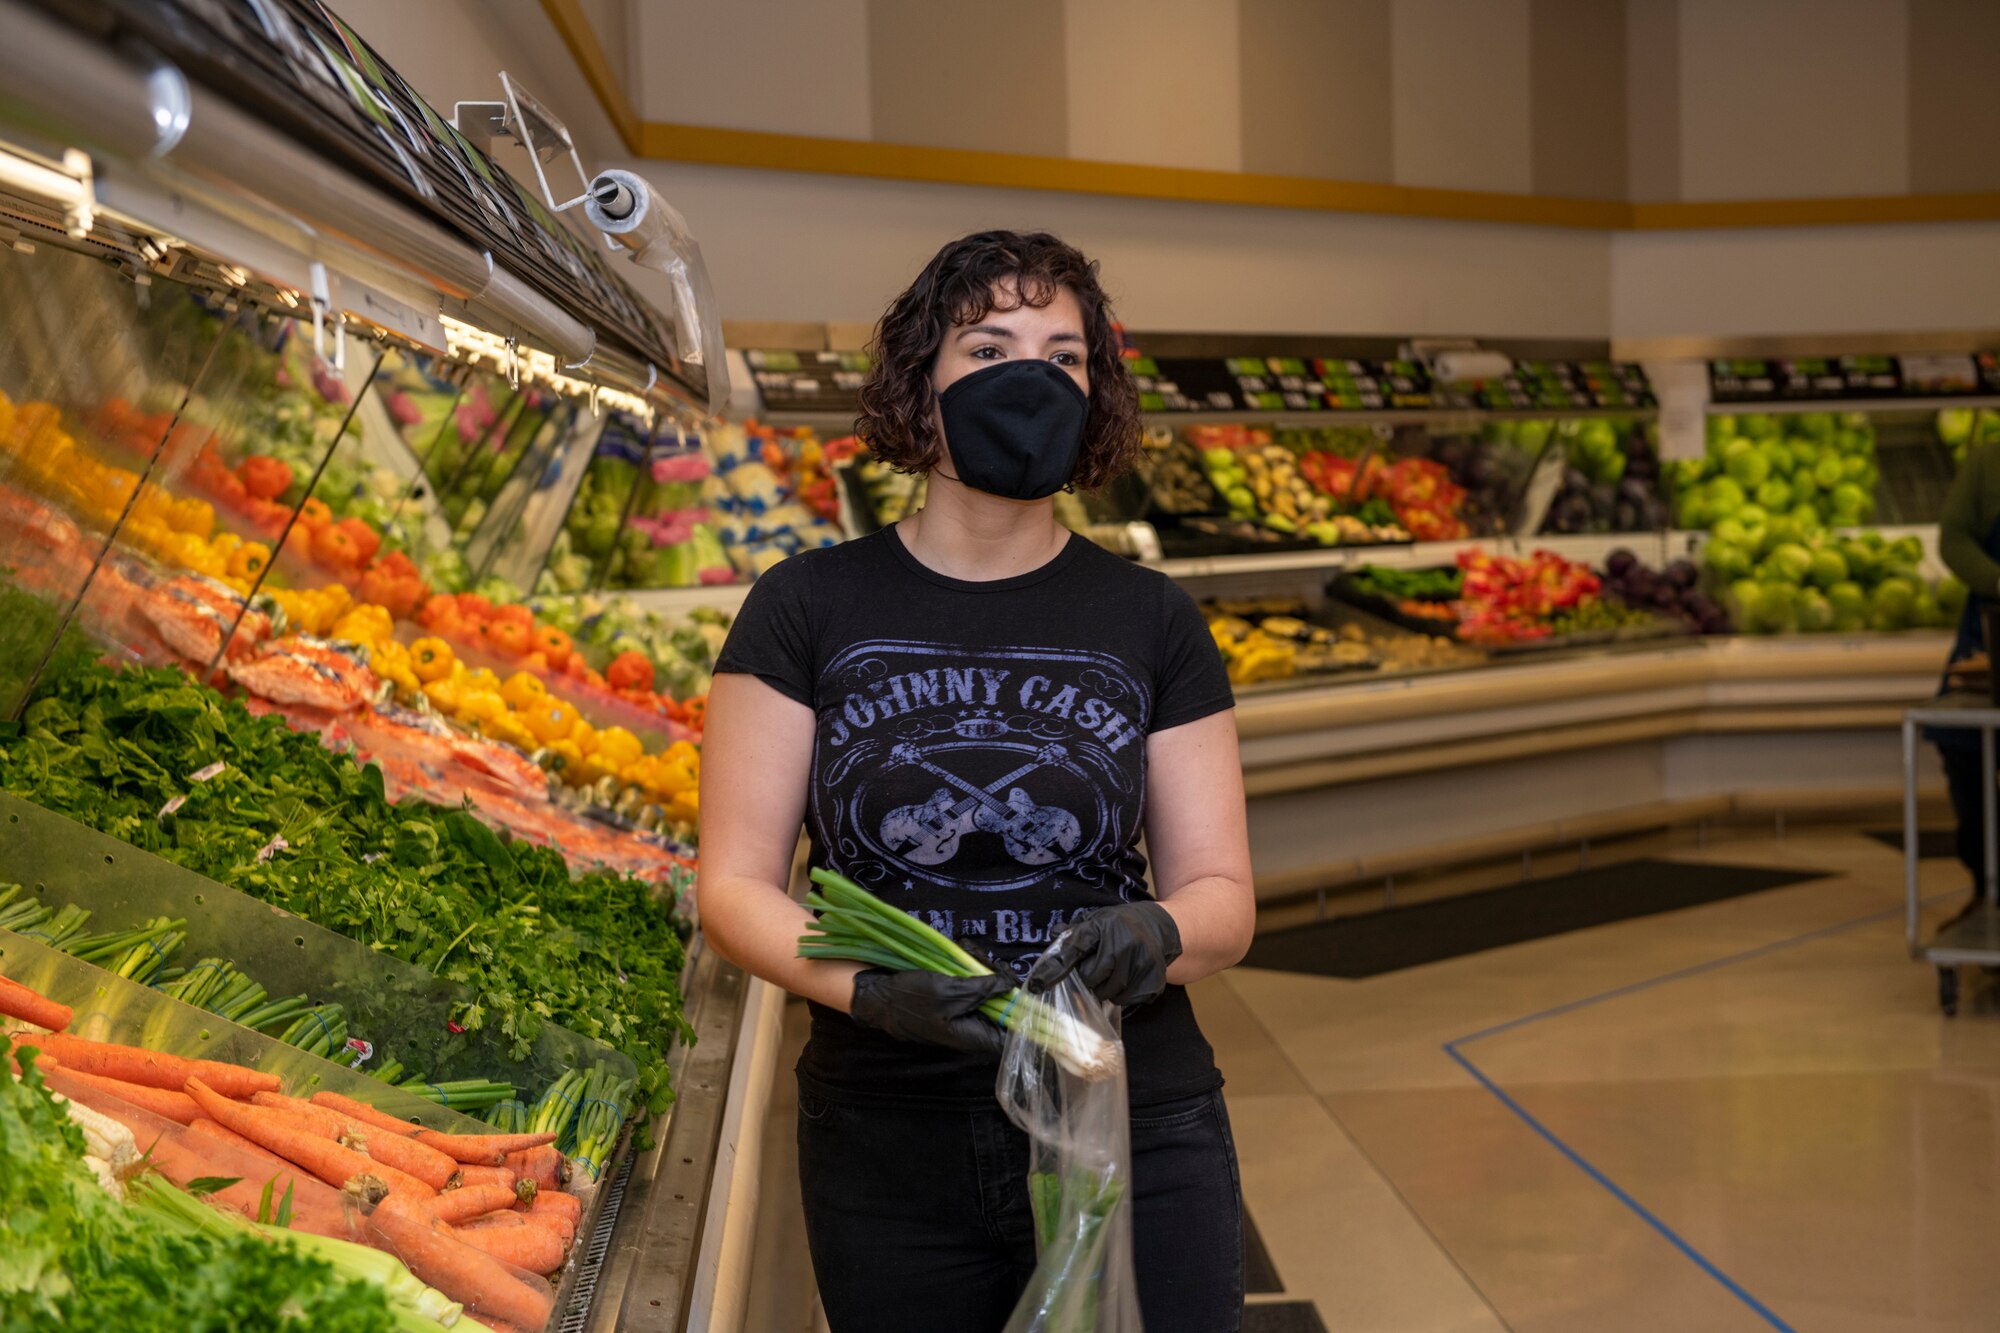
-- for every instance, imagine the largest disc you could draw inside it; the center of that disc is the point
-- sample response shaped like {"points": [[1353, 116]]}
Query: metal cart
{"points": [[1973, 939]]}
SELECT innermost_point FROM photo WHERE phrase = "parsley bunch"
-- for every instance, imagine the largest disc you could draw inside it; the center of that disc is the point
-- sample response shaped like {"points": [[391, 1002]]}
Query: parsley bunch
{"points": [[596, 953]]}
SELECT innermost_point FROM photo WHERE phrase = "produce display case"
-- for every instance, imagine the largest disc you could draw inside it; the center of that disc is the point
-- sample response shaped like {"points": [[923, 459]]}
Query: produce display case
{"points": [[276, 405], [1287, 479]]}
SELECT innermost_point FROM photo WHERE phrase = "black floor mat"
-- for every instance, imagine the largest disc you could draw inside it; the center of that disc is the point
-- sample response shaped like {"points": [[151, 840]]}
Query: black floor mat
{"points": [[1260, 1275], [1283, 1317], [1933, 844], [1371, 943]]}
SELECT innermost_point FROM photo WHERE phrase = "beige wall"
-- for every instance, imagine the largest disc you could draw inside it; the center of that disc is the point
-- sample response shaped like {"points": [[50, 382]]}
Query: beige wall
{"points": [[1650, 100], [1792, 99], [773, 65], [797, 246], [818, 247], [1933, 276], [1155, 81], [1458, 81]]}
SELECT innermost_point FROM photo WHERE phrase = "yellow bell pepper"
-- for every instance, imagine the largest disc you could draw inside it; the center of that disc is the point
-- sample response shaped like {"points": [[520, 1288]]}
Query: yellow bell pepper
{"points": [[248, 559], [524, 689], [509, 728], [551, 722], [442, 692], [569, 763], [192, 514], [617, 748], [587, 769], [432, 660], [365, 624], [480, 707], [391, 661], [585, 737]]}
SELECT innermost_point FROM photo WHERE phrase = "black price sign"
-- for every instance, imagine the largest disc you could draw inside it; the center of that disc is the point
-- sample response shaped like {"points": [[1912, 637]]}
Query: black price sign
{"points": [[790, 381]]}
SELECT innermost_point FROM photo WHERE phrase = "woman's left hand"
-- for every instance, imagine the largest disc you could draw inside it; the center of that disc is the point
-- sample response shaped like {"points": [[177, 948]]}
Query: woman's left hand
{"points": [[1121, 953]]}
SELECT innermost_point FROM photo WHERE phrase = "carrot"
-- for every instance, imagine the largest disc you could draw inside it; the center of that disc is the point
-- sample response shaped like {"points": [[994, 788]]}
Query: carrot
{"points": [[426, 1164], [175, 1106], [544, 1165], [482, 1149], [17, 1001], [363, 1112], [556, 1202], [506, 1217], [537, 1249], [556, 1224], [486, 1175], [470, 1201], [154, 1069], [468, 1275], [282, 1135], [208, 1129], [328, 1124]]}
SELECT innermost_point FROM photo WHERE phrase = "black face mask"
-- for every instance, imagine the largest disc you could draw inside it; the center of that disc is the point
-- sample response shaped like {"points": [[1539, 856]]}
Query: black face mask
{"points": [[1015, 429]]}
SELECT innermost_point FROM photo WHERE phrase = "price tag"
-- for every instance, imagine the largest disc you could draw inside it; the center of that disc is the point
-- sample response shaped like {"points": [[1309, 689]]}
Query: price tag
{"points": [[1939, 374], [1682, 388]]}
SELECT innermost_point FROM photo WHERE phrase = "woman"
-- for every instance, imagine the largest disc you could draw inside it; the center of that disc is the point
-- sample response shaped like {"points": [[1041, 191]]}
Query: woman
{"points": [[977, 714]]}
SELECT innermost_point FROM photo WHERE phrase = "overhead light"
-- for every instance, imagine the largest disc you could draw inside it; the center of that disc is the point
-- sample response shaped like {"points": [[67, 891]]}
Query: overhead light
{"points": [[473, 344]]}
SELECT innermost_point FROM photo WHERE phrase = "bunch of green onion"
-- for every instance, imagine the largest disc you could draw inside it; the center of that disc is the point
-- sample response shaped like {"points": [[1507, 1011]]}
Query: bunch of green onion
{"points": [[321, 1030], [214, 984], [509, 1117], [19, 915], [1071, 1306], [856, 926], [584, 1112], [599, 1117], [58, 929], [469, 1095], [555, 1110], [137, 955]]}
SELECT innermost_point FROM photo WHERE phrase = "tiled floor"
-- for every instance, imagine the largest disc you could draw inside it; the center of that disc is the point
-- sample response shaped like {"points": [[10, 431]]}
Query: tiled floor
{"points": [[1748, 1115]]}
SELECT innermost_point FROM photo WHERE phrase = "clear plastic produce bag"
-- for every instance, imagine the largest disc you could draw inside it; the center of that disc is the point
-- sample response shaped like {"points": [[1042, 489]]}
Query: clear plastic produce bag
{"points": [[1079, 1170]]}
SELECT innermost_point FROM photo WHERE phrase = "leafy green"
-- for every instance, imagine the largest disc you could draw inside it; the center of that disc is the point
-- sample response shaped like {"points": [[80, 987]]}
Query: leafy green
{"points": [[77, 1258], [1426, 585], [596, 953]]}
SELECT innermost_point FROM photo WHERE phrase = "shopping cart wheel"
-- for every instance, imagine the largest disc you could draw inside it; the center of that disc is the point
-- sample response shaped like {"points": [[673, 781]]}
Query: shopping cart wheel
{"points": [[1948, 990]]}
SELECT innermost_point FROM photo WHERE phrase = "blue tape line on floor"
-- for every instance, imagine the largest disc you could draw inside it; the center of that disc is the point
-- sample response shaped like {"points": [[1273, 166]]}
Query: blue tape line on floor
{"points": [[1583, 1164]]}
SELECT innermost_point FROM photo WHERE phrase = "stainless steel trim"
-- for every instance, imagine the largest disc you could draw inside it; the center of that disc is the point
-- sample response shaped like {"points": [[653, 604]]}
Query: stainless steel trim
{"points": [[152, 122], [645, 1281]]}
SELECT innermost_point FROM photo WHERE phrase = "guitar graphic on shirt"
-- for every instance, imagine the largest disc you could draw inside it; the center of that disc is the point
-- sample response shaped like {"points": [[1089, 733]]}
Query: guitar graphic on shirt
{"points": [[1033, 834]]}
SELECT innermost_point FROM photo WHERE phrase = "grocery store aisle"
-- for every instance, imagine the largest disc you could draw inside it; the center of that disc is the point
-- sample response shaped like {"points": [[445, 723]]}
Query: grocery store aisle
{"points": [[1745, 1115]]}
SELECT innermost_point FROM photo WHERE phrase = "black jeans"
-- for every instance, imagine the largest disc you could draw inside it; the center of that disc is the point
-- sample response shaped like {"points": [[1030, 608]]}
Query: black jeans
{"points": [[1967, 786], [918, 1216]]}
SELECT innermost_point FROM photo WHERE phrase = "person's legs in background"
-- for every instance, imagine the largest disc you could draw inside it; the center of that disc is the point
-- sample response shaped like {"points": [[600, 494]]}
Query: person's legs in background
{"points": [[1967, 784]]}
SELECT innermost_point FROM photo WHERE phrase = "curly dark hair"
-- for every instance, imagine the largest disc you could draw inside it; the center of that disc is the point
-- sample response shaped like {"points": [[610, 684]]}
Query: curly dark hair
{"points": [[962, 284]]}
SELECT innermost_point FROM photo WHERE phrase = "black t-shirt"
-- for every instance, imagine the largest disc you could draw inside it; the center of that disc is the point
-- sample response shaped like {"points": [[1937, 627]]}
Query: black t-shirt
{"points": [[980, 762]]}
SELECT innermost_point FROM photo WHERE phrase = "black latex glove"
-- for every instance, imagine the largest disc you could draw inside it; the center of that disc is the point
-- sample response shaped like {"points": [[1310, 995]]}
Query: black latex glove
{"points": [[1121, 953], [930, 1007]]}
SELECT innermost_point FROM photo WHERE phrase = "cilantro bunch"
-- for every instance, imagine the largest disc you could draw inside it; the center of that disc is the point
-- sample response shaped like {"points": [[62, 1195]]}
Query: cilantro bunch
{"points": [[596, 953]]}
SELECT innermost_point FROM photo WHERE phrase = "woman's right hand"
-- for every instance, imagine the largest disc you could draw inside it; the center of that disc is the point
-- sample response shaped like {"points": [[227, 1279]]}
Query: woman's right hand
{"points": [[930, 1007]]}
